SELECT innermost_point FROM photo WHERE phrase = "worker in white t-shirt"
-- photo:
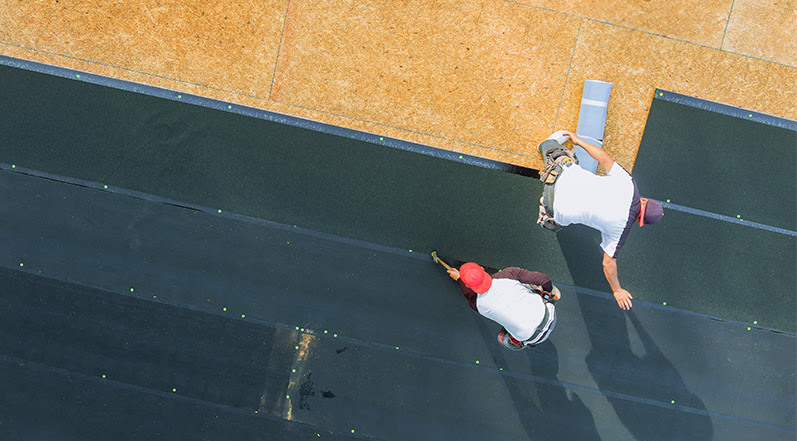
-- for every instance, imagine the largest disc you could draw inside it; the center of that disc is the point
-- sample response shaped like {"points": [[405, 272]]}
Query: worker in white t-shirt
{"points": [[609, 204], [520, 300]]}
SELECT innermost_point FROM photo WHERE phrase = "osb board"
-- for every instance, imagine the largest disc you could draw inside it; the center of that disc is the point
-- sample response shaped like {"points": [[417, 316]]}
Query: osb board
{"points": [[490, 75], [638, 63], [701, 22], [217, 44], [490, 78], [764, 29]]}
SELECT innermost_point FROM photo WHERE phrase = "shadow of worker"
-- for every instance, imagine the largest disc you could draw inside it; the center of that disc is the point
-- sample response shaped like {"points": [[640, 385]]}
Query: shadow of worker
{"points": [[545, 408], [638, 381]]}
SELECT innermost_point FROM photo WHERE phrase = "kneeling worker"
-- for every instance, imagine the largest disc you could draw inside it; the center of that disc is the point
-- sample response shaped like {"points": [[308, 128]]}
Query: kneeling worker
{"points": [[520, 300]]}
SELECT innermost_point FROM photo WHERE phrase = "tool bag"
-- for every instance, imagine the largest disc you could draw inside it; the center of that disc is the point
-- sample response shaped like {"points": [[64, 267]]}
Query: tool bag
{"points": [[556, 159]]}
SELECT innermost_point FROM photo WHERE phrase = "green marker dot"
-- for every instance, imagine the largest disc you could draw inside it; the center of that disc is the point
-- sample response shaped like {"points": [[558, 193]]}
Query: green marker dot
{"points": [[219, 211], [302, 329], [352, 430], [78, 75], [293, 370], [174, 390], [749, 328], [500, 369], [297, 328], [672, 401], [257, 412], [755, 322], [477, 361], [132, 289], [326, 332], [668, 201], [13, 166], [738, 216], [397, 347], [749, 115], [664, 303], [243, 315], [460, 156], [224, 309], [103, 375], [179, 97], [296, 347], [154, 297], [229, 107], [410, 251], [381, 138], [288, 397], [335, 335], [21, 264], [661, 94], [105, 187]]}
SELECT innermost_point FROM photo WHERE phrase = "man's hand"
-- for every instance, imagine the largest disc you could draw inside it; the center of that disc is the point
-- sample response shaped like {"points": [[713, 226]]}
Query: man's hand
{"points": [[573, 137], [454, 273], [597, 153], [623, 298]]}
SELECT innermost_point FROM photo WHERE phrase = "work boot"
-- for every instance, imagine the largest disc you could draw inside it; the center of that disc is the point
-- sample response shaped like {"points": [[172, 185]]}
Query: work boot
{"points": [[508, 341], [555, 293]]}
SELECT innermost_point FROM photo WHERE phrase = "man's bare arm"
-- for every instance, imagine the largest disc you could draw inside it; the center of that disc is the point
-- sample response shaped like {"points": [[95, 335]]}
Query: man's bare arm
{"points": [[622, 296], [596, 152]]}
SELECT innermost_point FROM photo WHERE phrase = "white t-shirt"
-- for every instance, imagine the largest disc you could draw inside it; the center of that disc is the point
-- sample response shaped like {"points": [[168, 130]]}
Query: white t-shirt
{"points": [[513, 306], [600, 202]]}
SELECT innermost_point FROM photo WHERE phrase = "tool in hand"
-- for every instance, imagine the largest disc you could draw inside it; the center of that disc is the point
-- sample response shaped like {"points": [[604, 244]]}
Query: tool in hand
{"points": [[439, 260]]}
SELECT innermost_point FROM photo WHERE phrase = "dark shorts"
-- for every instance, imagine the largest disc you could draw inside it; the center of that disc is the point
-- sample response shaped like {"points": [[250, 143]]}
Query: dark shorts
{"points": [[632, 215]]}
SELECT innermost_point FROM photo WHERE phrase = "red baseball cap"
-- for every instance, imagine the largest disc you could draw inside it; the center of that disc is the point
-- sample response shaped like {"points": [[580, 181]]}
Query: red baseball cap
{"points": [[475, 278]]}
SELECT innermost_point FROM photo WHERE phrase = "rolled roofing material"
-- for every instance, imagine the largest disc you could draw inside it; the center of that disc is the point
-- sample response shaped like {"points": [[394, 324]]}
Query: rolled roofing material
{"points": [[592, 119]]}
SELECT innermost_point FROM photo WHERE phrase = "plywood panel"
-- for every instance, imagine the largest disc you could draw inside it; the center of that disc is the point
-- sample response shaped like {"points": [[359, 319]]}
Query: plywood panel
{"points": [[701, 22], [218, 44], [488, 73], [764, 29]]}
